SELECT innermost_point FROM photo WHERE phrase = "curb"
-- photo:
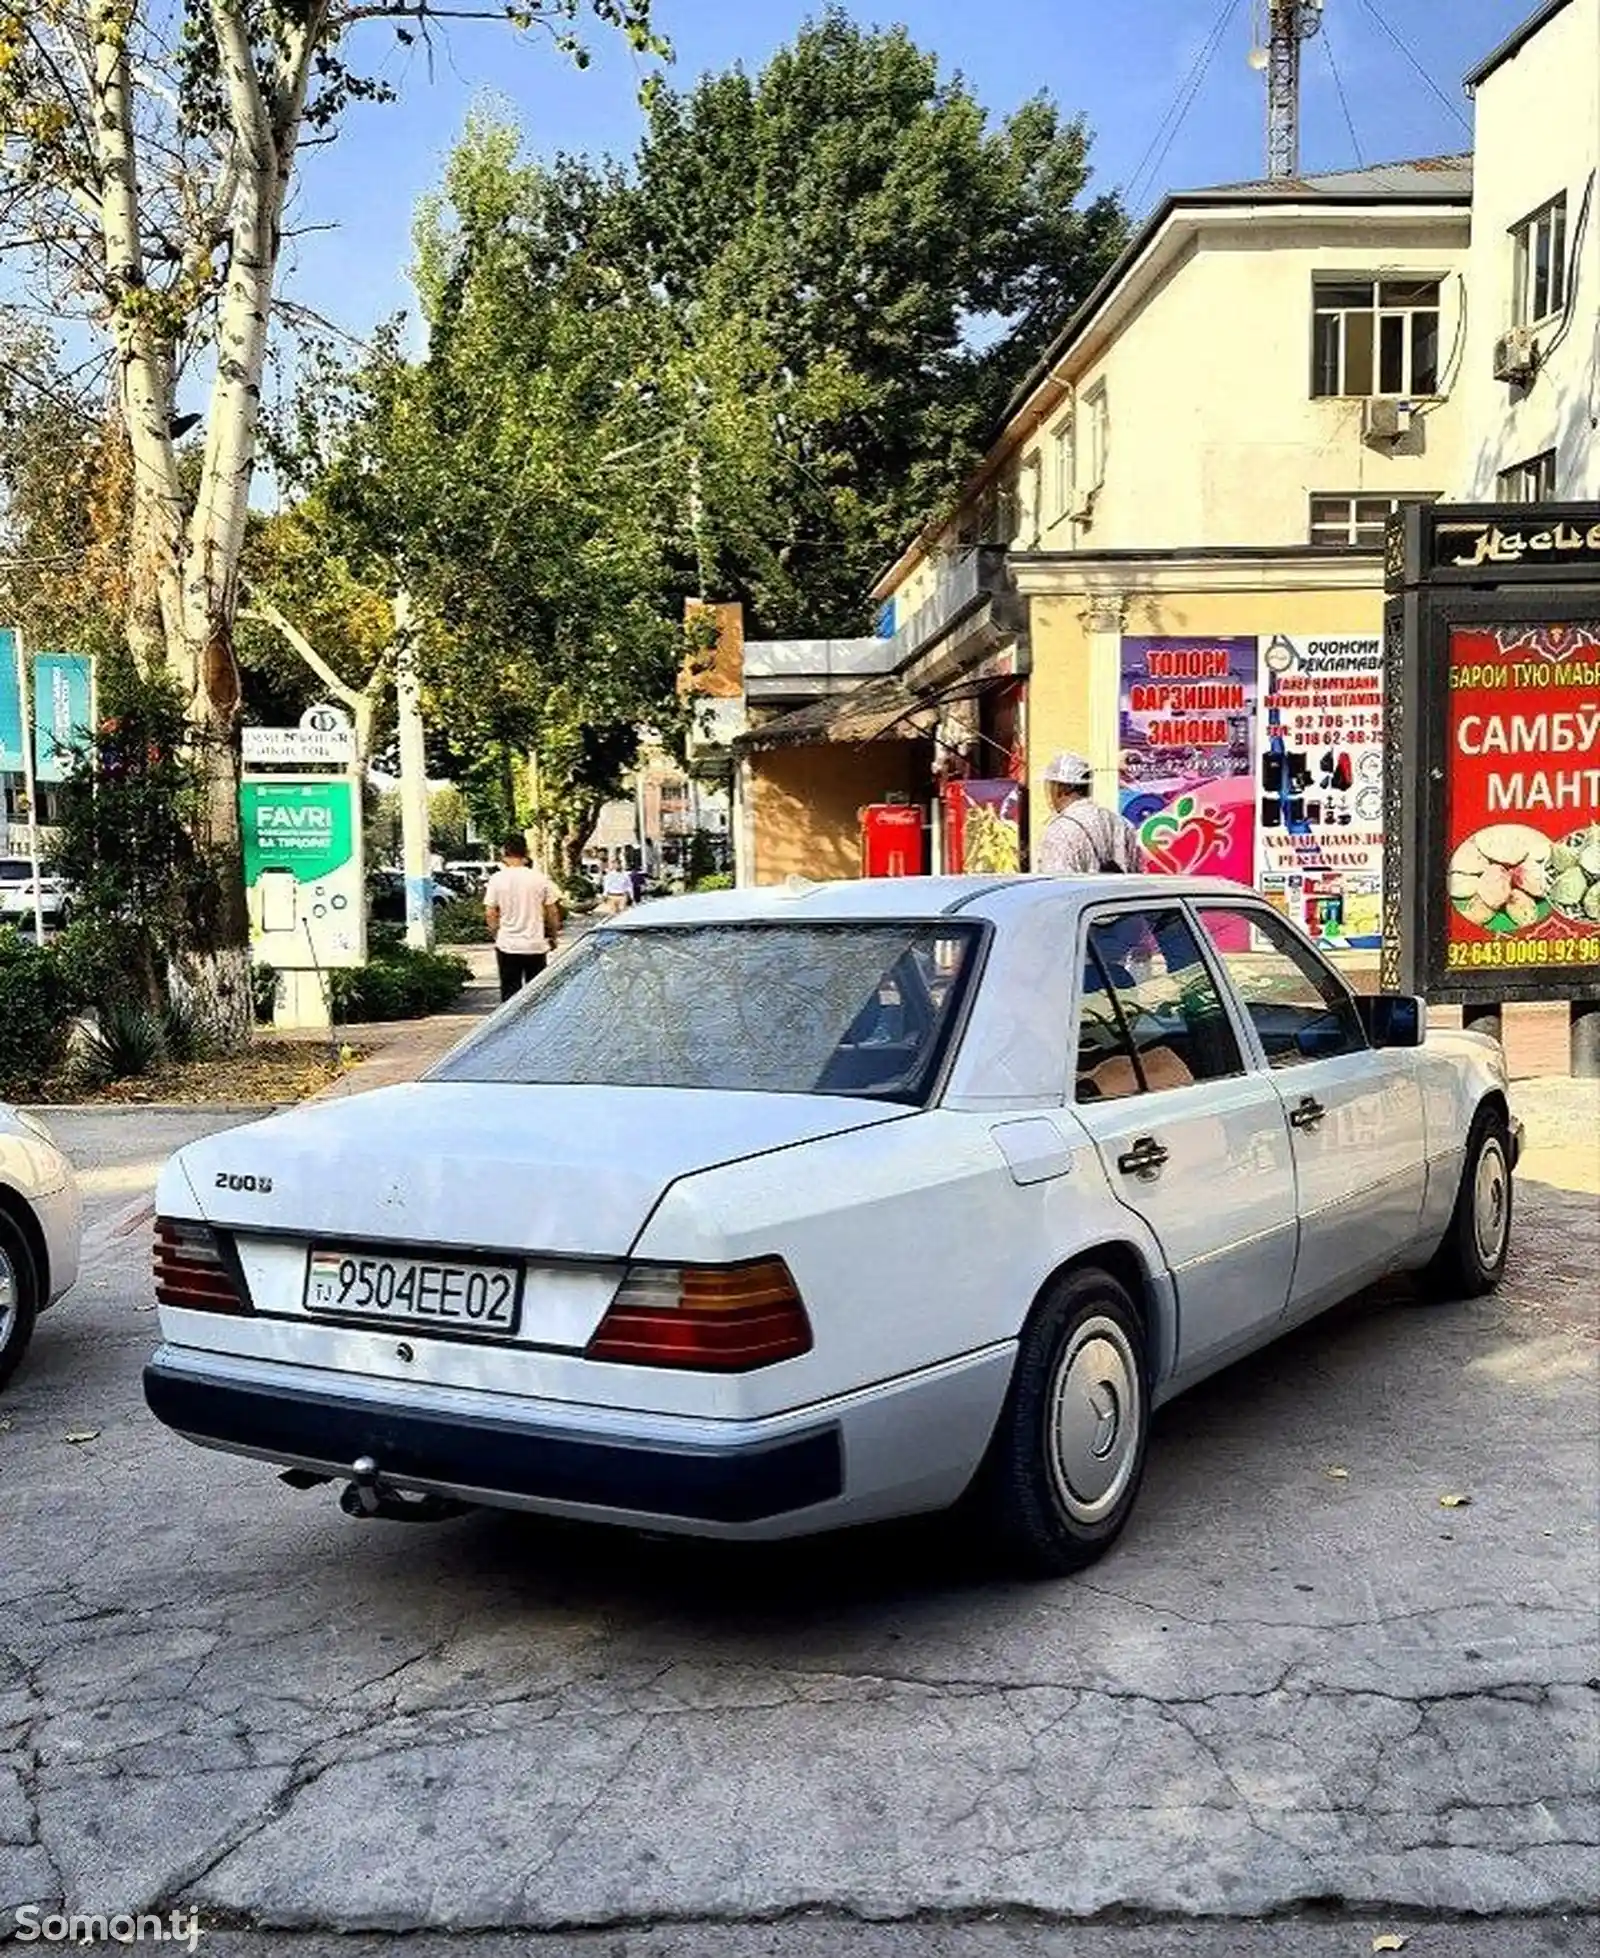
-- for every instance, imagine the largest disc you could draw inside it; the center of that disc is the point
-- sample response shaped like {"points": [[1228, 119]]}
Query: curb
{"points": [[45, 1109]]}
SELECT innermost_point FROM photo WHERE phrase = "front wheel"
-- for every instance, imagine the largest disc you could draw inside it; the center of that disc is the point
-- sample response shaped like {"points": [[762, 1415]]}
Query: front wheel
{"points": [[18, 1301], [1472, 1259], [1065, 1463]]}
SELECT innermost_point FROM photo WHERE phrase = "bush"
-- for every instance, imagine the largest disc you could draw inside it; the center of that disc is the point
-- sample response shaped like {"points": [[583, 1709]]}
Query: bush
{"points": [[99, 962], [129, 1041], [399, 983], [719, 880], [460, 922], [35, 1015]]}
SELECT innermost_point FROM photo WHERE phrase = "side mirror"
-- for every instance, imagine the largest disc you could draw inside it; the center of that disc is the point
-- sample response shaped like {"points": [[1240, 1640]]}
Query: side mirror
{"points": [[1393, 1019]]}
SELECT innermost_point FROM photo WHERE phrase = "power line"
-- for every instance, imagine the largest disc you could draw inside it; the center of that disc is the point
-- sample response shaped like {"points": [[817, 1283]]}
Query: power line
{"points": [[1411, 56], [1179, 108], [1344, 100]]}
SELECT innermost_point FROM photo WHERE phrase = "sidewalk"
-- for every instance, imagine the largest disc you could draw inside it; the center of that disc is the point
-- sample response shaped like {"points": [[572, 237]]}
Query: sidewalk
{"points": [[402, 1050]]}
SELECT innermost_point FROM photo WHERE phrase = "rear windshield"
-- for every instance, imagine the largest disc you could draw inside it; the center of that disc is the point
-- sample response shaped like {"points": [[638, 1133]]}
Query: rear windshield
{"points": [[779, 1009]]}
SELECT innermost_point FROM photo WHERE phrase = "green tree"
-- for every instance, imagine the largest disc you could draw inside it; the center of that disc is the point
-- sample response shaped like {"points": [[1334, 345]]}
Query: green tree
{"points": [[513, 483], [150, 153], [900, 263]]}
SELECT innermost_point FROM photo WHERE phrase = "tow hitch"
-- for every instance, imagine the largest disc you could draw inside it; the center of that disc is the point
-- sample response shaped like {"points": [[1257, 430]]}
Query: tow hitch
{"points": [[365, 1496]]}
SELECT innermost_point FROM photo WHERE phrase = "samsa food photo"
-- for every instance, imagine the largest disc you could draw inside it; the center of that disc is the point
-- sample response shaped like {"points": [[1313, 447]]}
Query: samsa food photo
{"points": [[1500, 877], [1572, 875]]}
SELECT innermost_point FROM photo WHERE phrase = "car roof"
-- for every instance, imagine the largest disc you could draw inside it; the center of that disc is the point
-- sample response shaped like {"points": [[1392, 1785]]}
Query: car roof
{"points": [[867, 898]]}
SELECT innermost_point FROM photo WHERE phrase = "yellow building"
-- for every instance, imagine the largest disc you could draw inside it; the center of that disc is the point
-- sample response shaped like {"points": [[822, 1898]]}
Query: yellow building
{"points": [[1195, 479]]}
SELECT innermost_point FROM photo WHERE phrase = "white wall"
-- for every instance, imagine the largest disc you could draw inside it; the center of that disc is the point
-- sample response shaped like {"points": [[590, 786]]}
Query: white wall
{"points": [[1537, 133]]}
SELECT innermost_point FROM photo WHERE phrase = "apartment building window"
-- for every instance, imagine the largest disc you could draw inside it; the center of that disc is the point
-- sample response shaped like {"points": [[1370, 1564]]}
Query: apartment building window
{"points": [[1061, 466], [1374, 336], [1099, 434], [1533, 481], [1356, 520], [1539, 264]]}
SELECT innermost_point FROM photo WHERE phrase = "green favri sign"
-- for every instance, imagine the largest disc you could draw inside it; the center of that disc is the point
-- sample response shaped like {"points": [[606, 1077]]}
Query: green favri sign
{"points": [[304, 827]]}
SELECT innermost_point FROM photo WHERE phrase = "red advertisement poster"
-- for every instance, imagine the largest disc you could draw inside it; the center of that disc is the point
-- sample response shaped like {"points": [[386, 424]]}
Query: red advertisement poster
{"points": [[1522, 798], [1187, 730]]}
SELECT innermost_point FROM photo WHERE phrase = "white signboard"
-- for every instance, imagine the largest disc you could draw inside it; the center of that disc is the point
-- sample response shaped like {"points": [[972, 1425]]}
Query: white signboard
{"points": [[324, 739], [1319, 834]]}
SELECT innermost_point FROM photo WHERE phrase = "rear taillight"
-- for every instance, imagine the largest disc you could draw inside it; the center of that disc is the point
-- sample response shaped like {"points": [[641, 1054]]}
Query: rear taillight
{"points": [[718, 1318], [190, 1269]]}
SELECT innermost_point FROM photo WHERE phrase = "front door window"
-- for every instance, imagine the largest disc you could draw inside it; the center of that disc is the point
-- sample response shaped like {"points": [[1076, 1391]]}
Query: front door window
{"points": [[1300, 1009]]}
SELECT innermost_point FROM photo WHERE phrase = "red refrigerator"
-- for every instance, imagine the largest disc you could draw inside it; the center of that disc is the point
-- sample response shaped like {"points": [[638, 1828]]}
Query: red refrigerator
{"points": [[892, 840]]}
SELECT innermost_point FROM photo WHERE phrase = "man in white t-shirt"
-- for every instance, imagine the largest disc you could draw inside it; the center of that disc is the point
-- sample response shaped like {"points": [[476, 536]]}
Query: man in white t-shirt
{"points": [[523, 908]]}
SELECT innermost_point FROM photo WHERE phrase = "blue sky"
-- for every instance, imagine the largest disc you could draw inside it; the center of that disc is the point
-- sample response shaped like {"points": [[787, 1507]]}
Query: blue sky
{"points": [[1120, 61]]}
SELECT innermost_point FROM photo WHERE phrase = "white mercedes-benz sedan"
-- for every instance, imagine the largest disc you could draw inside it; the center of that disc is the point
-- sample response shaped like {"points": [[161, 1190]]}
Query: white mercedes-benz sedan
{"points": [[41, 1216], [777, 1210]]}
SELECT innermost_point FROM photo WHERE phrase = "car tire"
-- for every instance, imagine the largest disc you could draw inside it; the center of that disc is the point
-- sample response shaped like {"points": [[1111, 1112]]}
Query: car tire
{"points": [[1064, 1466], [19, 1300], [1472, 1259]]}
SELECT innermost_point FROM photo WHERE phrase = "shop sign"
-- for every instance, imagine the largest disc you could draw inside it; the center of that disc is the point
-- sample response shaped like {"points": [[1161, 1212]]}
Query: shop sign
{"points": [[324, 739], [1474, 545], [1186, 769], [1522, 801], [12, 759], [303, 871], [1319, 816]]}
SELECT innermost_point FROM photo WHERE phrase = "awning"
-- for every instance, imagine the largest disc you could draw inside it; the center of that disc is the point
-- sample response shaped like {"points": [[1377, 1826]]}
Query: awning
{"points": [[877, 710]]}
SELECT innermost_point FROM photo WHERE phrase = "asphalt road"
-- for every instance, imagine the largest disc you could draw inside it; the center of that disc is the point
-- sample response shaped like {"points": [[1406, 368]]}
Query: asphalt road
{"points": [[1290, 1694]]}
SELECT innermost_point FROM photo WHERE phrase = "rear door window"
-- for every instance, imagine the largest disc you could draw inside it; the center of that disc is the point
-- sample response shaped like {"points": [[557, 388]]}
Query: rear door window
{"points": [[1150, 1016]]}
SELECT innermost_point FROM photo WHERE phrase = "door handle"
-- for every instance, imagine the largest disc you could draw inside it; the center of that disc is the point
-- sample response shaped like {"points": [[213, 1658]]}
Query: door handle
{"points": [[1144, 1158], [1307, 1114]]}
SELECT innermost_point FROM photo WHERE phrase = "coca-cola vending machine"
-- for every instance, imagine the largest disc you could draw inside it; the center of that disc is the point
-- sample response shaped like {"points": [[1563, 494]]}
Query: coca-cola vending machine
{"points": [[891, 840]]}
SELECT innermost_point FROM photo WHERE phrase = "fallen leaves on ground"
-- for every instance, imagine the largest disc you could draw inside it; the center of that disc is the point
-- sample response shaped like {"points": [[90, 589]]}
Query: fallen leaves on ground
{"points": [[77, 1435], [1338, 1475], [269, 1074], [1390, 1941], [1455, 1502]]}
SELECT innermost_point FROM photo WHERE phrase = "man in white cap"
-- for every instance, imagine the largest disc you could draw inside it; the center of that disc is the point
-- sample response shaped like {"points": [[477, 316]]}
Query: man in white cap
{"points": [[1081, 838]]}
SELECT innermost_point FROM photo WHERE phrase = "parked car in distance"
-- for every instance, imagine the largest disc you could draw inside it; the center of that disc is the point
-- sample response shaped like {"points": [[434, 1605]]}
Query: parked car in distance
{"points": [[41, 1216], [17, 906], [386, 895], [769, 1211]]}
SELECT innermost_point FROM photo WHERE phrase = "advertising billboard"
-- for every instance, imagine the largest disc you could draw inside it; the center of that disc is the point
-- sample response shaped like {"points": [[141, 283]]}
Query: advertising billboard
{"points": [[303, 870], [1186, 773], [1522, 800], [12, 759], [63, 711], [1319, 818]]}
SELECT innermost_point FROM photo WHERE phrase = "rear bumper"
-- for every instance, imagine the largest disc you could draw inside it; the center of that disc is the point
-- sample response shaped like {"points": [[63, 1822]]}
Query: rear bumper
{"points": [[912, 1444]]}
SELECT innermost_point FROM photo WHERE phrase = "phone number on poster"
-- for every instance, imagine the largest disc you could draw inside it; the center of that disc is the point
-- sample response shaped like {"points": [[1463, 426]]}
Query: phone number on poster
{"points": [[1559, 951]]}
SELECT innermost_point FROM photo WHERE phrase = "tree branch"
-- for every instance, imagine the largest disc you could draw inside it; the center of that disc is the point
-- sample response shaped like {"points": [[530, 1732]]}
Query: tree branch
{"points": [[251, 121], [264, 612]]}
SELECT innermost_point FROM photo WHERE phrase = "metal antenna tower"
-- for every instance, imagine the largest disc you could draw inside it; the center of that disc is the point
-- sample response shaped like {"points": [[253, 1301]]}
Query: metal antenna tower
{"points": [[1287, 23]]}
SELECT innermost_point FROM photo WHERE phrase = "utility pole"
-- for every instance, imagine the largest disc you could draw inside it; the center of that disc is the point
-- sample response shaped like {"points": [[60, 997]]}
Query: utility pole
{"points": [[1288, 23], [415, 842], [30, 778]]}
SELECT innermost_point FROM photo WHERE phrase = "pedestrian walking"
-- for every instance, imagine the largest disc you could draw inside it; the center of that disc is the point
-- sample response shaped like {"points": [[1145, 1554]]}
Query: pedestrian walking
{"points": [[1081, 838], [523, 909]]}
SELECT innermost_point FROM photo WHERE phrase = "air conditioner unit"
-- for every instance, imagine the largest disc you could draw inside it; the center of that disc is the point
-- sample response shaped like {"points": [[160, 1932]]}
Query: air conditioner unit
{"points": [[1516, 355], [1383, 420]]}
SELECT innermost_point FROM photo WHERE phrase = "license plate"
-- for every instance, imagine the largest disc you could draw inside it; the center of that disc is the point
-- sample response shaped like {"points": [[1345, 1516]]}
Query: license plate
{"points": [[430, 1294]]}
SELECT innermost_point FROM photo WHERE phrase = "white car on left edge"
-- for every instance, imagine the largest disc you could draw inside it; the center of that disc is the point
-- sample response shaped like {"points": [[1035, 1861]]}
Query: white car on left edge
{"points": [[769, 1211], [41, 1216]]}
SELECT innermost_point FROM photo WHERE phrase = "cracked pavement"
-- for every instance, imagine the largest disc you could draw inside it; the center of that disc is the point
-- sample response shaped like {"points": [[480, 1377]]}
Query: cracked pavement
{"points": [[1284, 1689]]}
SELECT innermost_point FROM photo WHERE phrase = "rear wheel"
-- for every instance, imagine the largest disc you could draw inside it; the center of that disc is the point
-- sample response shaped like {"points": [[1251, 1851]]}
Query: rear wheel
{"points": [[1472, 1259], [19, 1302], [1065, 1463]]}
